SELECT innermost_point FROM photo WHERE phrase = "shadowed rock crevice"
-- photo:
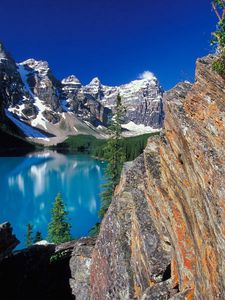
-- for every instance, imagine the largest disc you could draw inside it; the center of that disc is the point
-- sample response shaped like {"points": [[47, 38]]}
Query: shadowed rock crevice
{"points": [[167, 273]]}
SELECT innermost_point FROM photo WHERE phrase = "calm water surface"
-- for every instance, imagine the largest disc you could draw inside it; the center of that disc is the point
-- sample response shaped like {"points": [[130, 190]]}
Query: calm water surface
{"points": [[29, 185]]}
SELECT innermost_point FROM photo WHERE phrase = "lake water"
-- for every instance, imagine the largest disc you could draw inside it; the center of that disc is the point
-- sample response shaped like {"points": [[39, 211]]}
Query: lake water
{"points": [[29, 185]]}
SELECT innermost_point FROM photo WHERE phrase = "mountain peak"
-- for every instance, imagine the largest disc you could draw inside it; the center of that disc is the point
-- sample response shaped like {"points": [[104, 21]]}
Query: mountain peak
{"points": [[35, 64], [72, 79], [95, 81], [39, 66]]}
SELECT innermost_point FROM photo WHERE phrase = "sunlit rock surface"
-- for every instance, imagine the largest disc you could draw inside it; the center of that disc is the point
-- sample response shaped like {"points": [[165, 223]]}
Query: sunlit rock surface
{"points": [[163, 236]]}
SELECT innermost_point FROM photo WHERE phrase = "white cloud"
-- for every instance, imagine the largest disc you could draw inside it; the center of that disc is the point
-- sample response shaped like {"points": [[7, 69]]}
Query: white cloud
{"points": [[147, 75]]}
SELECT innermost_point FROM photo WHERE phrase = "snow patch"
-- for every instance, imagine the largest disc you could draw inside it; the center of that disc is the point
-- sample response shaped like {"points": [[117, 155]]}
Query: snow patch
{"points": [[24, 74], [39, 120], [18, 110], [26, 129]]}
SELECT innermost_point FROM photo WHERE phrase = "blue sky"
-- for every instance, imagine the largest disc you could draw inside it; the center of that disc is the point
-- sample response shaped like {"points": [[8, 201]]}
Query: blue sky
{"points": [[115, 40]]}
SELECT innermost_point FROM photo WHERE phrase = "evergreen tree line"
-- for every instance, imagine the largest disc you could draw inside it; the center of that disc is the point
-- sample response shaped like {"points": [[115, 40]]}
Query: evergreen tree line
{"points": [[132, 146]]}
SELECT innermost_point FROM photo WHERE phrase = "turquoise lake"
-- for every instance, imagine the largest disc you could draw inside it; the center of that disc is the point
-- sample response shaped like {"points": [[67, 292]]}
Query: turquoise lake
{"points": [[29, 185]]}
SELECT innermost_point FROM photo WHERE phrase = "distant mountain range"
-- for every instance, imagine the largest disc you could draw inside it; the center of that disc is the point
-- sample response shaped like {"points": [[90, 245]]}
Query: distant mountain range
{"points": [[47, 109]]}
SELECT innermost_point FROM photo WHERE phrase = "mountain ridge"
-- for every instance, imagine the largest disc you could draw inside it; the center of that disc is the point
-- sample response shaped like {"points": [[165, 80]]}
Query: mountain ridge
{"points": [[32, 94]]}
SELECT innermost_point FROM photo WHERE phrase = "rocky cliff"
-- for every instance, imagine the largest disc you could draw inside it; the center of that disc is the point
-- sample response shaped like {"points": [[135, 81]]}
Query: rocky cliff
{"points": [[163, 235]]}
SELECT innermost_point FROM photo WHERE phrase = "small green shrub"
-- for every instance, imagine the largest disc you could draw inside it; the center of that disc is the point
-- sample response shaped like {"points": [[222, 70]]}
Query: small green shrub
{"points": [[57, 256], [219, 66], [219, 37]]}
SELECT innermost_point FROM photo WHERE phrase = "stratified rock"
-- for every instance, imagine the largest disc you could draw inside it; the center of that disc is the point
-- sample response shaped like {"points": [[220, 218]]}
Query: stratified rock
{"points": [[163, 235], [8, 241], [189, 198], [129, 254], [80, 268]]}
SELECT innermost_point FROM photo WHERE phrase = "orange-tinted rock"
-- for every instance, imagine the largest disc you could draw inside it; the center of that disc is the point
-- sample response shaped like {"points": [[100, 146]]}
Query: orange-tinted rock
{"points": [[176, 194]]}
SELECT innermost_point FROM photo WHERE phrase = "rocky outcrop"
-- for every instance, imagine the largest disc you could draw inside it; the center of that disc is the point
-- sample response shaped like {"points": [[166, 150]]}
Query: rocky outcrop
{"points": [[46, 271], [31, 274], [80, 263], [8, 241], [163, 235]]}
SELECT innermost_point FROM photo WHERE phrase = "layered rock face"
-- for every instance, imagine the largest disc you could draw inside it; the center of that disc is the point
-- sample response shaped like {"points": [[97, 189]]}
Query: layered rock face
{"points": [[129, 255], [163, 236]]}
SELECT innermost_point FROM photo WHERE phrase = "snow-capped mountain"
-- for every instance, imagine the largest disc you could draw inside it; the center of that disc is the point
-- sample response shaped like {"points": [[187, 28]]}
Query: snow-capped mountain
{"points": [[32, 98]]}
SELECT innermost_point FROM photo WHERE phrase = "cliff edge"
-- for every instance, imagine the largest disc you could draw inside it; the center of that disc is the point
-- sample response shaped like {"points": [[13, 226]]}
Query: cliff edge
{"points": [[163, 235]]}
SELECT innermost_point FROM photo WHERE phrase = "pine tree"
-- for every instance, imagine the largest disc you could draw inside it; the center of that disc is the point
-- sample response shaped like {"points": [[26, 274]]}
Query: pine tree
{"points": [[116, 157], [219, 36], [29, 233], [38, 237], [59, 227]]}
